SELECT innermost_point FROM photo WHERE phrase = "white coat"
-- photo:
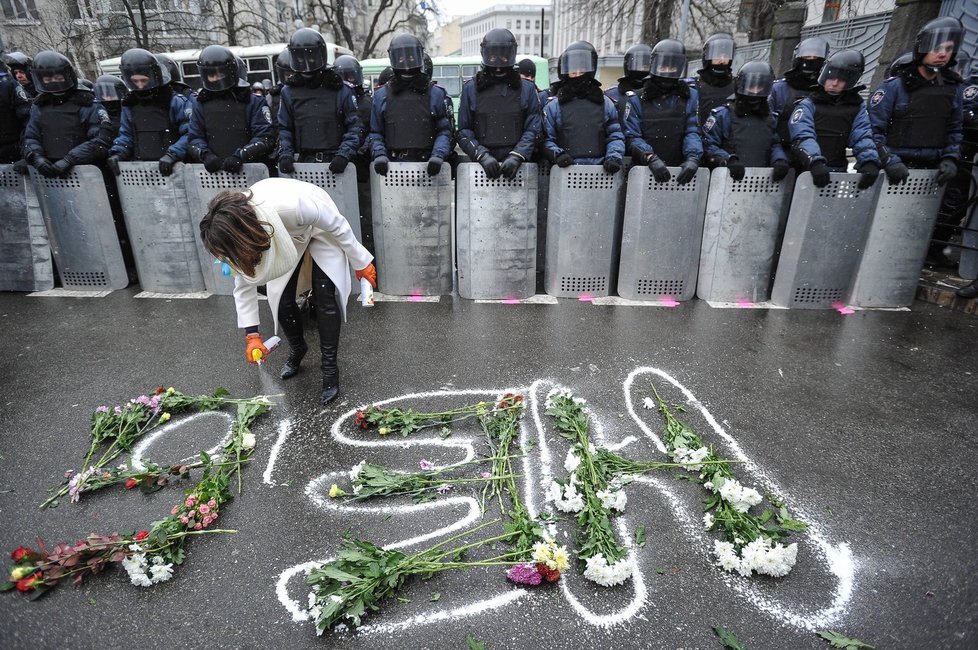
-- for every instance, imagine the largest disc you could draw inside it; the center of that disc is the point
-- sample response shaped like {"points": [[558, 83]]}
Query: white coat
{"points": [[313, 222]]}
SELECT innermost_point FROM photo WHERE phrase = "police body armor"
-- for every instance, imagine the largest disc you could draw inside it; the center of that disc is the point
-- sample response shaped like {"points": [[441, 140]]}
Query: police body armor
{"points": [[582, 133], [317, 125], [61, 129], [924, 125], [664, 127], [750, 136], [498, 116], [833, 124], [151, 130], [712, 96], [408, 123], [10, 125], [785, 115], [226, 124]]}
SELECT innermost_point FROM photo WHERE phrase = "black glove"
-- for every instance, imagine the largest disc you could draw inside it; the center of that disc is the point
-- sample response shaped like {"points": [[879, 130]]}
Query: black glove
{"points": [[897, 173], [611, 165], [510, 166], [380, 165], [286, 165], [868, 174], [564, 160], [737, 168], [434, 165], [232, 164], [44, 166], [211, 162], [820, 173], [946, 171], [490, 165], [779, 170], [659, 170], [166, 164], [338, 164], [686, 172], [63, 167], [21, 167], [112, 162]]}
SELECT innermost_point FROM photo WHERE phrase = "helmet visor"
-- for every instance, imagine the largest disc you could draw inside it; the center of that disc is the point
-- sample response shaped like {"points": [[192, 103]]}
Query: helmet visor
{"points": [[944, 39], [668, 65], [815, 47], [576, 62], [55, 81], [499, 55], [755, 83], [406, 57], [107, 91], [218, 77], [307, 59], [719, 51], [838, 78], [638, 63]]}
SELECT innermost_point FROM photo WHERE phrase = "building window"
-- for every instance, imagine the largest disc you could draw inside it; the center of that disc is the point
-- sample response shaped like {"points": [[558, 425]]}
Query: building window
{"points": [[536, 24], [536, 41], [518, 23], [19, 10], [546, 24], [526, 41], [830, 12], [509, 24]]}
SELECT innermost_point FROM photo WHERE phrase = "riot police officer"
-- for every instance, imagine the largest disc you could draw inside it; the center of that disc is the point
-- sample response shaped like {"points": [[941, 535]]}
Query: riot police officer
{"points": [[742, 133], [581, 124], [661, 123], [798, 82], [155, 116], [175, 76], [66, 127], [15, 109], [20, 67], [833, 118], [636, 65], [284, 72], [411, 119], [317, 119], [499, 112], [228, 126], [714, 82], [385, 75], [350, 70], [110, 91], [257, 89], [917, 115]]}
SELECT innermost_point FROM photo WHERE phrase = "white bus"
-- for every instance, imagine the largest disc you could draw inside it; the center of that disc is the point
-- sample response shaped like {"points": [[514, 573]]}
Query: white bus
{"points": [[260, 59]]}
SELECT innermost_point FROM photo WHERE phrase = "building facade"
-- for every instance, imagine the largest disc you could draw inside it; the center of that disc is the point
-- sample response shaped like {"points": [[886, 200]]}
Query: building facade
{"points": [[530, 24]]}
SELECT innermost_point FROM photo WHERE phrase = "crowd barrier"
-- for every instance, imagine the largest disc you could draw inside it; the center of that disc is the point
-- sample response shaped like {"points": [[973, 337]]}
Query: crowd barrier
{"points": [[754, 240]]}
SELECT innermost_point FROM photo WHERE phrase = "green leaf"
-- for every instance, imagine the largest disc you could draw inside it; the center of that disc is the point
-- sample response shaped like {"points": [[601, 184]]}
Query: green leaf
{"points": [[402, 599], [640, 536], [7, 586], [728, 639], [444, 433], [92, 601], [841, 641], [660, 571], [474, 643], [435, 597]]}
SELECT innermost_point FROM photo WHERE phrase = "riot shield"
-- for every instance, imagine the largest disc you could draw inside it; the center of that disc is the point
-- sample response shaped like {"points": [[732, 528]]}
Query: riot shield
{"points": [[25, 257], [342, 188], [496, 222]]}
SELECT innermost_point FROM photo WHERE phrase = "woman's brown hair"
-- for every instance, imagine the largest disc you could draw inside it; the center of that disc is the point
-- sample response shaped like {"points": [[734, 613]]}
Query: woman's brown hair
{"points": [[232, 231]]}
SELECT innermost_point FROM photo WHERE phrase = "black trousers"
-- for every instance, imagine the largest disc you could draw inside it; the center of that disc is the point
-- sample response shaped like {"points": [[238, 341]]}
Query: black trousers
{"points": [[327, 313]]}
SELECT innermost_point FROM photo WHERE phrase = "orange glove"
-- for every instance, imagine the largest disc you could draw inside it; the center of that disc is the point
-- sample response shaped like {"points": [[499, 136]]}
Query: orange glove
{"points": [[255, 350], [369, 272]]}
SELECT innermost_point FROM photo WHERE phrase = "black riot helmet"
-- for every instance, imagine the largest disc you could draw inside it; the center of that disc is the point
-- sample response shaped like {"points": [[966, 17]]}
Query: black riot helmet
{"points": [[941, 35], [308, 50], [754, 79], [242, 72], [87, 84], [638, 61], [718, 52], [349, 69], [170, 65], [406, 53], [846, 66], [217, 61], [109, 88], [17, 61], [810, 56], [283, 66], [668, 59], [137, 62], [257, 87], [904, 59], [385, 75], [56, 68], [579, 57], [498, 49]]}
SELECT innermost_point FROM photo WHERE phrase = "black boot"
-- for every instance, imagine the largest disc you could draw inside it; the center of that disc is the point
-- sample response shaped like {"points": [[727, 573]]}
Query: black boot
{"points": [[969, 291], [328, 322], [297, 350]]}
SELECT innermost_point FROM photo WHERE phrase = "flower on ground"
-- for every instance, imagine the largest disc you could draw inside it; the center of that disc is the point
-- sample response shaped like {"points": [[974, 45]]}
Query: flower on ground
{"points": [[708, 520], [739, 497], [443, 488], [356, 469], [248, 441], [524, 574], [571, 461], [649, 403], [566, 498], [31, 582], [550, 555], [336, 491], [164, 417], [20, 572], [141, 535], [607, 575], [19, 553], [102, 409], [613, 499], [426, 465], [485, 474], [131, 483], [694, 457]]}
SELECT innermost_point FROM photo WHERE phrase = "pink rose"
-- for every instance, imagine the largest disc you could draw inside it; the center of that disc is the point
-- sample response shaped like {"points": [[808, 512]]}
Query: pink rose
{"points": [[197, 526], [204, 509], [192, 514], [183, 519], [174, 510], [212, 503]]}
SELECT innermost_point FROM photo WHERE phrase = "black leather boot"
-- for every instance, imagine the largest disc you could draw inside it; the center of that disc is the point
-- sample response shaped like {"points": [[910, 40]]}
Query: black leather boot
{"points": [[968, 291], [328, 322], [297, 350]]}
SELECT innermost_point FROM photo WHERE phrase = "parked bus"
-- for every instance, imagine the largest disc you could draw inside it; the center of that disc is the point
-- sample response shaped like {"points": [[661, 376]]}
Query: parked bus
{"points": [[259, 58], [452, 71]]}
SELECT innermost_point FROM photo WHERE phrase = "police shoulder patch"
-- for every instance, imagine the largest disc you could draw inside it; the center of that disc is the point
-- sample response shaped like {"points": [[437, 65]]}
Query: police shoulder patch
{"points": [[877, 97], [188, 111], [21, 93], [971, 92], [710, 121], [796, 116], [629, 93], [267, 113], [103, 115]]}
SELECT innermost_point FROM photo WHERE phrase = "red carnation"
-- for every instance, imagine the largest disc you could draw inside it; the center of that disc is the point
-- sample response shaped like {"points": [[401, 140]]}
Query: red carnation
{"points": [[550, 575], [159, 390], [361, 420], [131, 483], [30, 582], [141, 535], [19, 553]]}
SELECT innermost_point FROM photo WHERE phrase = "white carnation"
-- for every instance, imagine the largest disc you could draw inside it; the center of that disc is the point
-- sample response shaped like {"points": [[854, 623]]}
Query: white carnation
{"points": [[572, 461], [356, 469], [613, 500], [607, 575], [161, 572]]}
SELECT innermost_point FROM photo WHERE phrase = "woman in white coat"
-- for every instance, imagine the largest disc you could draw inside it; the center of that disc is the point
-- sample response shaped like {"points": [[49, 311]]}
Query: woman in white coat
{"points": [[262, 233]]}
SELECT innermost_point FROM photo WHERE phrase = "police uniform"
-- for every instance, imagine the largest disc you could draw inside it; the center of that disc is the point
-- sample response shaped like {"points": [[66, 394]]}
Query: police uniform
{"points": [[411, 122], [152, 128], [586, 128], [318, 119], [499, 118], [70, 127], [823, 125], [712, 90], [664, 125], [15, 109], [753, 138], [230, 123]]}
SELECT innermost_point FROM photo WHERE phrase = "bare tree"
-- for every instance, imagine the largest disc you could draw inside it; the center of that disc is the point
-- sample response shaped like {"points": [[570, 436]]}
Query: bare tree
{"points": [[239, 22], [364, 28]]}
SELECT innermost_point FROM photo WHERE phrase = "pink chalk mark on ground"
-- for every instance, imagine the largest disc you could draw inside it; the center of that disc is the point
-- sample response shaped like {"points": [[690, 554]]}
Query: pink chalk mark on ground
{"points": [[585, 297], [415, 297], [842, 309], [511, 301], [669, 301], [744, 303]]}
